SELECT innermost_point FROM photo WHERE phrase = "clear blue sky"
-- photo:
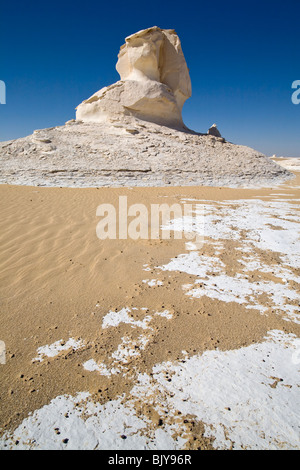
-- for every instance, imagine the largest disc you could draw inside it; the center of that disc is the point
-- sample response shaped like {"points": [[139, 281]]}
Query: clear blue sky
{"points": [[243, 57]]}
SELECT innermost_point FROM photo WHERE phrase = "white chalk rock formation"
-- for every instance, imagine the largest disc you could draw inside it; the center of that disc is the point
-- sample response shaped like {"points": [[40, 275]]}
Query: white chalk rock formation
{"points": [[154, 83], [142, 140]]}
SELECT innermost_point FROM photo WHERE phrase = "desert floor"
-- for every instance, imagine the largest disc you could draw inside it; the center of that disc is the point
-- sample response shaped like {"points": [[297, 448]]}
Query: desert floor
{"points": [[150, 344]]}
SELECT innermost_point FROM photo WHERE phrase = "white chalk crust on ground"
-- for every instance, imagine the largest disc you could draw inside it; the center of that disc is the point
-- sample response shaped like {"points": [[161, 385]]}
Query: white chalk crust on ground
{"points": [[242, 396]]}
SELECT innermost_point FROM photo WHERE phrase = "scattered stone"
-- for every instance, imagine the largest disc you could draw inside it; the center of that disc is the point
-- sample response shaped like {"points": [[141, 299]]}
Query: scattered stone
{"points": [[213, 130]]}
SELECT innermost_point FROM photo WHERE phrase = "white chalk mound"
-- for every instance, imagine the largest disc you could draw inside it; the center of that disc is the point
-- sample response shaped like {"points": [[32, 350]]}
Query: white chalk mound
{"points": [[154, 84]]}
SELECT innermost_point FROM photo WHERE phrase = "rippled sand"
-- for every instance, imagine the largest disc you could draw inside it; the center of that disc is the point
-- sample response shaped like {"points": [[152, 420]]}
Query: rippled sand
{"points": [[157, 344]]}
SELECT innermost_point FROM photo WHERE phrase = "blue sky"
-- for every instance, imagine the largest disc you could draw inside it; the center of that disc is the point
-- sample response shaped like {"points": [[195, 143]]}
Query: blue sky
{"points": [[243, 57]]}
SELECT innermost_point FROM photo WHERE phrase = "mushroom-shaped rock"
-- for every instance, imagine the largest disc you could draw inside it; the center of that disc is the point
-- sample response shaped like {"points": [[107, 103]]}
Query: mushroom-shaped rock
{"points": [[154, 83]]}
